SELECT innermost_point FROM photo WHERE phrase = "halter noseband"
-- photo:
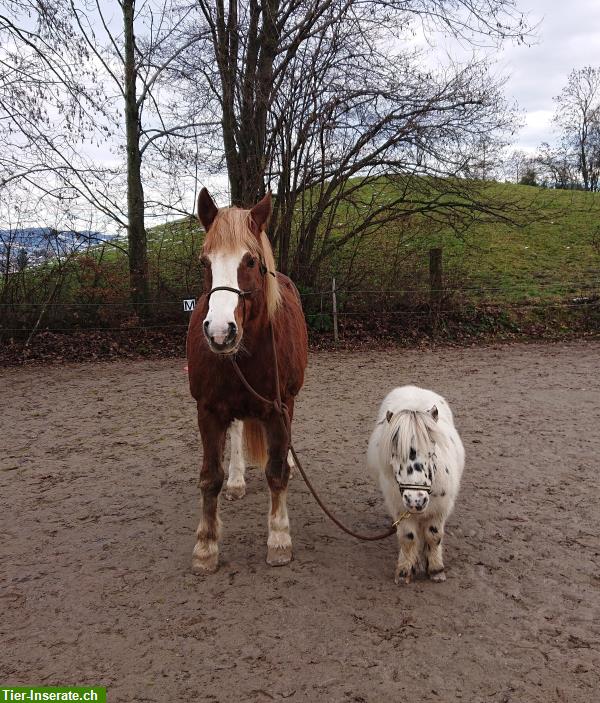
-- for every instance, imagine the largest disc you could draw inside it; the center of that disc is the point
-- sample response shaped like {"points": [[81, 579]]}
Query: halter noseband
{"points": [[414, 487]]}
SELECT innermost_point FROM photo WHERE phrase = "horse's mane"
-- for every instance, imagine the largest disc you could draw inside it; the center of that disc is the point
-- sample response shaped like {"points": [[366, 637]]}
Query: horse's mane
{"points": [[410, 428], [230, 232]]}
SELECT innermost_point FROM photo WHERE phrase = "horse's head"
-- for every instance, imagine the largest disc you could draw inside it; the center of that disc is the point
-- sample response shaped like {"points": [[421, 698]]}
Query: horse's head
{"points": [[411, 446], [239, 270]]}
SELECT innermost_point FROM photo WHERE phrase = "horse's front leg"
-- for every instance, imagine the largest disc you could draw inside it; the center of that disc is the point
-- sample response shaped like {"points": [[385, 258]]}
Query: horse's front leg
{"points": [[279, 542], [410, 548], [236, 485], [205, 558], [434, 533]]}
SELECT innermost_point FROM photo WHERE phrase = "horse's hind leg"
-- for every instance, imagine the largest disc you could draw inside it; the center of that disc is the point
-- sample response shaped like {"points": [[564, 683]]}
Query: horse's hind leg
{"points": [[291, 463], [434, 532], [236, 485], [205, 558], [279, 542]]}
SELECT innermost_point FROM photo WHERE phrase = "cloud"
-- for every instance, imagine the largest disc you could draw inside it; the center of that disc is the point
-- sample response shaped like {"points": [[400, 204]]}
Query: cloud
{"points": [[567, 38]]}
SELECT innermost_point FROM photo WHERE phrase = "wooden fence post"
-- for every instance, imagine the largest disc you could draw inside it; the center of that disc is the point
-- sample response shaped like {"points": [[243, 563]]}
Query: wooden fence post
{"points": [[334, 310], [435, 277]]}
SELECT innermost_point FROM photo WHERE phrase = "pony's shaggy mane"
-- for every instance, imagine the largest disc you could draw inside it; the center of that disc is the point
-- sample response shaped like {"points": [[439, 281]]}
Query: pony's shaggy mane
{"points": [[410, 428], [230, 232]]}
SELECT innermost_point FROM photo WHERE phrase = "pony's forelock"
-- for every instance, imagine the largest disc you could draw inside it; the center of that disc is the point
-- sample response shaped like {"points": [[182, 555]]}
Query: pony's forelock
{"points": [[230, 232], [410, 428]]}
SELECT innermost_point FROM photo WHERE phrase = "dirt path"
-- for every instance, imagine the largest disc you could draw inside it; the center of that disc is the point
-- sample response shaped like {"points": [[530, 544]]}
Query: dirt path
{"points": [[98, 508]]}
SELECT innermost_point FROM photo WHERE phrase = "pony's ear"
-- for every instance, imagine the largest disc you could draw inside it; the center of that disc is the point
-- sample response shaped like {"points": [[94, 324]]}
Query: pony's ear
{"points": [[389, 415], [434, 412], [207, 210], [260, 213]]}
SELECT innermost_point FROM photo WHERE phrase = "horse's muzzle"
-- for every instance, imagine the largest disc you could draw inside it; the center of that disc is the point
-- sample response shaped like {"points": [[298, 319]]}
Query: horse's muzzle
{"points": [[227, 343]]}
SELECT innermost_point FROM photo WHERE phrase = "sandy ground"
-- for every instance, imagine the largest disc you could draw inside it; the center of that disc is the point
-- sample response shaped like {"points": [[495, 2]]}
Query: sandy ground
{"points": [[99, 504]]}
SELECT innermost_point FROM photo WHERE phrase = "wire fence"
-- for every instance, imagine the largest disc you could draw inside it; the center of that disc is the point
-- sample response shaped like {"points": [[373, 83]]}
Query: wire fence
{"points": [[324, 308]]}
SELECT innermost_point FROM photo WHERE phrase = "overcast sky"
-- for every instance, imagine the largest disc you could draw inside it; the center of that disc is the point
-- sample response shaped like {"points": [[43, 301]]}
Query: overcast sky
{"points": [[568, 37]]}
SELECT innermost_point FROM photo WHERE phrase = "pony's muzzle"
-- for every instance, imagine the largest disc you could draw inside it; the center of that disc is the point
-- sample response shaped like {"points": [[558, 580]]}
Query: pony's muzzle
{"points": [[415, 501]]}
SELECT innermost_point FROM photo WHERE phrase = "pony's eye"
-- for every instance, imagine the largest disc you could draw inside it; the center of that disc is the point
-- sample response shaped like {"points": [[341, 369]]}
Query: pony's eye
{"points": [[251, 262], [204, 261]]}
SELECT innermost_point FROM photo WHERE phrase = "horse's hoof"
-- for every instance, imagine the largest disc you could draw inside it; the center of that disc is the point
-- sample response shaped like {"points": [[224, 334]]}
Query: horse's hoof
{"points": [[236, 491], [279, 556], [438, 576], [203, 563], [205, 566]]}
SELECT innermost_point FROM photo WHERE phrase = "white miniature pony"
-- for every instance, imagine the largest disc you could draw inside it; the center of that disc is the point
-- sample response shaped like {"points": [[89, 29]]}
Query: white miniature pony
{"points": [[418, 457]]}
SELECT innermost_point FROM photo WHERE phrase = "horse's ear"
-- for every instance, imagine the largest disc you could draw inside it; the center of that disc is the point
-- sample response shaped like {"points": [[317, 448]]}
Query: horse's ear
{"points": [[389, 415], [434, 412], [207, 210], [260, 213]]}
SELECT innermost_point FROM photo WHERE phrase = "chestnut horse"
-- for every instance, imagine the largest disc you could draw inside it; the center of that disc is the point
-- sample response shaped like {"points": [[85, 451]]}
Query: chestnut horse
{"points": [[247, 310]]}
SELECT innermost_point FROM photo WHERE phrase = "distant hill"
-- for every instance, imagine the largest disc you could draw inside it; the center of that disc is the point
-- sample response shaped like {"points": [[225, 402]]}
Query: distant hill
{"points": [[41, 237], [43, 243]]}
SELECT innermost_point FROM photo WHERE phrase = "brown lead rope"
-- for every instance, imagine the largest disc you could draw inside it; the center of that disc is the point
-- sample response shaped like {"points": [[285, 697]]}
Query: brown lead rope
{"points": [[285, 419]]}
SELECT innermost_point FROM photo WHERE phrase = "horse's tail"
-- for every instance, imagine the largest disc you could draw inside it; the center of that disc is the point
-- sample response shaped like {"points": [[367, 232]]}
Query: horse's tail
{"points": [[255, 443]]}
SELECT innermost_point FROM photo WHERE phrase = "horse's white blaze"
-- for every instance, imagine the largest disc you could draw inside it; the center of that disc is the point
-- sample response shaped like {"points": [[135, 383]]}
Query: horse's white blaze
{"points": [[222, 305], [440, 444]]}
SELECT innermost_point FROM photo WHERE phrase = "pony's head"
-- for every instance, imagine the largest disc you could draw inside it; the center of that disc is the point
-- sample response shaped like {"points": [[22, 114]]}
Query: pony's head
{"points": [[410, 439], [239, 270]]}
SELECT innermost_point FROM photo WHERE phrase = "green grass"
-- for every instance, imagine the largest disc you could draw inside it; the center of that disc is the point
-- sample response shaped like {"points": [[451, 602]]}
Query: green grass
{"points": [[551, 256], [553, 252]]}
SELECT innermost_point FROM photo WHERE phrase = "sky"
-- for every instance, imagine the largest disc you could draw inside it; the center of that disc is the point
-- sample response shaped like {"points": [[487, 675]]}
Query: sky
{"points": [[568, 37]]}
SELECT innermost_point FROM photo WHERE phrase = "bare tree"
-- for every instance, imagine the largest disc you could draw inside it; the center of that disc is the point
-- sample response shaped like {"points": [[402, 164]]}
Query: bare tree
{"points": [[323, 102], [119, 76], [578, 116], [556, 166]]}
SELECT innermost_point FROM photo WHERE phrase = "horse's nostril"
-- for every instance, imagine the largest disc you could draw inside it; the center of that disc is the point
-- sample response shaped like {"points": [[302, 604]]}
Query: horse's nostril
{"points": [[206, 323]]}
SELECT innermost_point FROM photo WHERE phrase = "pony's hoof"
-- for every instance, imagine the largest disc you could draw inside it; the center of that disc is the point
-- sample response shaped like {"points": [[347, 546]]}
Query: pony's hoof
{"points": [[279, 556], [235, 491], [403, 576], [438, 576]]}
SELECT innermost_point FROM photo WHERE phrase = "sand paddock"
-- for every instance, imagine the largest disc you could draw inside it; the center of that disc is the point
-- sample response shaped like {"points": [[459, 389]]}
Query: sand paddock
{"points": [[99, 504]]}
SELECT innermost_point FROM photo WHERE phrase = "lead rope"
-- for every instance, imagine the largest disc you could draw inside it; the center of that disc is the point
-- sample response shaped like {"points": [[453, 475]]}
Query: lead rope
{"points": [[282, 410]]}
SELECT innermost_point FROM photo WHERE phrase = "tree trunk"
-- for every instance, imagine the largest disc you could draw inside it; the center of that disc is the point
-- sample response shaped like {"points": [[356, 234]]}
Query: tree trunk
{"points": [[136, 232]]}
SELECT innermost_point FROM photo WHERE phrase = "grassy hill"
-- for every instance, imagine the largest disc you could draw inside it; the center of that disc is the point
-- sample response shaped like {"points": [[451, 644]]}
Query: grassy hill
{"points": [[551, 259], [555, 254]]}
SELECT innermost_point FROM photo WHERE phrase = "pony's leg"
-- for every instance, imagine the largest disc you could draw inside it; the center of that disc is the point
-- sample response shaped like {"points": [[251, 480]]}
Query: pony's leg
{"points": [[205, 558], [279, 542], [434, 533], [236, 485], [410, 548]]}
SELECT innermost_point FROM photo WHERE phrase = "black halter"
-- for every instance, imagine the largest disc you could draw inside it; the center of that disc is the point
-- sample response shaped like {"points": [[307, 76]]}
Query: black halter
{"points": [[243, 294], [413, 487]]}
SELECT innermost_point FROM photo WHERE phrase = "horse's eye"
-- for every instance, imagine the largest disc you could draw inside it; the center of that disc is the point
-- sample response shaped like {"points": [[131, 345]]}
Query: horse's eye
{"points": [[251, 262], [204, 261]]}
